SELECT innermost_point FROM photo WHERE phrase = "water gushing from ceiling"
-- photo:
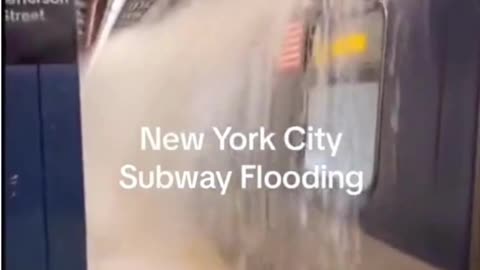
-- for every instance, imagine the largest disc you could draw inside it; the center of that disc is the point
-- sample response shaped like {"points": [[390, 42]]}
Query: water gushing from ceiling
{"points": [[209, 64]]}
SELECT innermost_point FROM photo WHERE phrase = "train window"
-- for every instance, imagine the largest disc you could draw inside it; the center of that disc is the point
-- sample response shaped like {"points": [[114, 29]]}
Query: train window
{"points": [[346, 61]]}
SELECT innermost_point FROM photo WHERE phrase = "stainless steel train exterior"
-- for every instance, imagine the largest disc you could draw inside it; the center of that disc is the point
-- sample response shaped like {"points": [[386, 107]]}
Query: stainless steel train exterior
{"points": [[424, 196]]}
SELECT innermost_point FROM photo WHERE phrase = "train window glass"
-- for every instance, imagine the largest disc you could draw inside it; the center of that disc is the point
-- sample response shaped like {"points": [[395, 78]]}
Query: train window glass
{"points": [[346, 63]]}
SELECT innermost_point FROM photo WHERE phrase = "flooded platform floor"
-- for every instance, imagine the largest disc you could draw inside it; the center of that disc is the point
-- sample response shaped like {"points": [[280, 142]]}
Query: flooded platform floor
{"points": [[379, 256]]}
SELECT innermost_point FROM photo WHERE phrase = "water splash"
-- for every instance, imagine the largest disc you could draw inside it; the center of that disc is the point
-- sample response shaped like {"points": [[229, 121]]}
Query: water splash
{"points": [[200, 67], [338, 102], [208, 64]]}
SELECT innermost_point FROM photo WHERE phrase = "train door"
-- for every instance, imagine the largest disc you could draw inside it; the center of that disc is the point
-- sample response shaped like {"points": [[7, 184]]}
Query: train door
{"points": [[422, 203], [411, 112], [346, 66]]}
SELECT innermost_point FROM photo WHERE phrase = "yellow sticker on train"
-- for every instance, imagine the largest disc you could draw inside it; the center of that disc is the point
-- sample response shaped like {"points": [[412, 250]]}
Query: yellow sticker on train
{"points": [[350, 45]]}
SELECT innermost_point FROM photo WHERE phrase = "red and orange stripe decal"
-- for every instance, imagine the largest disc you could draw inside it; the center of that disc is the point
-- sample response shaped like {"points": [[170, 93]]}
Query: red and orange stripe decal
{"points": [[291, 56]]}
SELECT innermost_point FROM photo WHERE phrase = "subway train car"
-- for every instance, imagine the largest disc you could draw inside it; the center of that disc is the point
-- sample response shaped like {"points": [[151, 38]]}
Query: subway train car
{"points": [[415, 117], [400, 77], [426, 181]]}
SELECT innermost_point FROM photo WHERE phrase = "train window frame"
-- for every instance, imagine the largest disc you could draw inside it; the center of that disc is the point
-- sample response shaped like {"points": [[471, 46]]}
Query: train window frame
{"points": [[376, 6]]}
